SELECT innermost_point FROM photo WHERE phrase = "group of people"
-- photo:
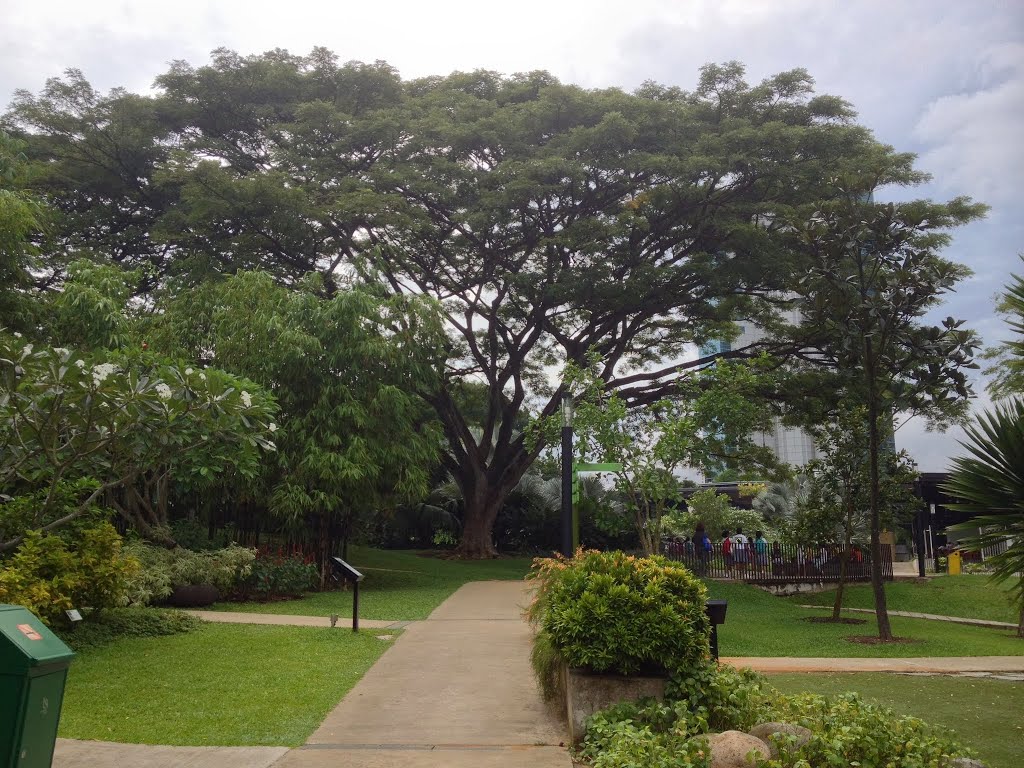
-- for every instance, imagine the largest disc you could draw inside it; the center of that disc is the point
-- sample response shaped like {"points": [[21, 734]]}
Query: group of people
{"points": [[738, 554]]}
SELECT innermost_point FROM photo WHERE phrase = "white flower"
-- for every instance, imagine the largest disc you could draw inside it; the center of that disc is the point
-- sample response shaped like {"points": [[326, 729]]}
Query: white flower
{"points": [[102, 371], [80, 363], [163, 391], [60, 350], [202, 376], [17, 335], [246, 399], [272, 427], [27, 349], [188, 371]]}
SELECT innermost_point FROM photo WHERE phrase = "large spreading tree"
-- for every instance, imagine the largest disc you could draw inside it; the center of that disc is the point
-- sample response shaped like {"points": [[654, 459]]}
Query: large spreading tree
{"points": [[548, 221]]}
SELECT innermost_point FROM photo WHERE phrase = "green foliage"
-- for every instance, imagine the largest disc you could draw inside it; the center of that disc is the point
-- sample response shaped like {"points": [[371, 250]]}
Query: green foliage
{"points": [[129, 422], [717, 514], [93, 310], [547, 666], [612, 612], [849, 731], [345, 368], [708, 419], [278, 575], [846, 730], [162, 570], [719, 698], [21, 216], [989, 483], [49, 574], [1008, 368], [100, 629]]}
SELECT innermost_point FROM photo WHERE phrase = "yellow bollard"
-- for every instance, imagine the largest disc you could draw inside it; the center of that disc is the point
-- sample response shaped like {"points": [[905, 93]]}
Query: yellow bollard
{"points": [[954, 563]]}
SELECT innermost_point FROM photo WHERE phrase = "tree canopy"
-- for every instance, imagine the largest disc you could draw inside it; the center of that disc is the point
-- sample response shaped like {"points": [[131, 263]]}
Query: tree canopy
{"points": [[548, 221]]}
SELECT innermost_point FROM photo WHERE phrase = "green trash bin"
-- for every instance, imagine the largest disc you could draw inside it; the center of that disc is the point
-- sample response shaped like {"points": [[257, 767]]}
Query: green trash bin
{"points": [[33, 668]]}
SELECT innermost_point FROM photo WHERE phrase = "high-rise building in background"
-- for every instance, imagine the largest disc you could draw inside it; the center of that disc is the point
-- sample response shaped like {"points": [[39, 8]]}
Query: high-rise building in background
{"points": [[791, 445]]}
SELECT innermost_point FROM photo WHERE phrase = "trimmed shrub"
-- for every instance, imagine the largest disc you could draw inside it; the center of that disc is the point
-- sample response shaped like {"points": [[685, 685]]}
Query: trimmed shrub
{"points": [[98, 630], [612, 612]]}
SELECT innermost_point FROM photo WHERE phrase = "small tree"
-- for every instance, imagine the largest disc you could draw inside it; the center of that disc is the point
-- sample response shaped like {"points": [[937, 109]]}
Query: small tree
{"points": [[710, 420], [837, 509], [874, 272]]}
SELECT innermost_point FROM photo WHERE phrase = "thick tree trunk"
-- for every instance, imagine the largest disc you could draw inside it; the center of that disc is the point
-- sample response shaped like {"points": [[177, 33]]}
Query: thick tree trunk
{"points": [[877, 585], [1020, 625], [481, 506]]}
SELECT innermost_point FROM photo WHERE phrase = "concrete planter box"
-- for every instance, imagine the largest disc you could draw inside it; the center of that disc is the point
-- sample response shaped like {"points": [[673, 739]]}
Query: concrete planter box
{"points": [[588, 692]]}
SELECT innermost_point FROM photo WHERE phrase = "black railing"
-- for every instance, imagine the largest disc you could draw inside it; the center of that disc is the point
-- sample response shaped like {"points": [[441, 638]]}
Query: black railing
{"points": [[778, 563]]}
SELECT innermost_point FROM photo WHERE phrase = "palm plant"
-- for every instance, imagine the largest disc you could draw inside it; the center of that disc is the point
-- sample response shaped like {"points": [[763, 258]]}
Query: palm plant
{"points": [[990, 483]]}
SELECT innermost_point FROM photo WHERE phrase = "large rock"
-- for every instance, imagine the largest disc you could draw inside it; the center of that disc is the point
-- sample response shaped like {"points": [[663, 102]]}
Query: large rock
{"points": [[730, 749], [764, 731]]}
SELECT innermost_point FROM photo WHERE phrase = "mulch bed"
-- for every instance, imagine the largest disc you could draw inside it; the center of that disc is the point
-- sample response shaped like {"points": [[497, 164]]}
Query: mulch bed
{"points": [[830, 620], [873, 640]]}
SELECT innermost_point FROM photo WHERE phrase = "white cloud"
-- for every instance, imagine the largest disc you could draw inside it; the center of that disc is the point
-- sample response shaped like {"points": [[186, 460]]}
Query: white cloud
{"points": [[973, 141]]}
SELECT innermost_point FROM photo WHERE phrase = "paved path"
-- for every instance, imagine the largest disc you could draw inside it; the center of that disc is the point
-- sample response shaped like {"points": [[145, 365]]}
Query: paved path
{"points": [[71, 753], [234, 617], [933, 664], [454, 690], [930, 617]]}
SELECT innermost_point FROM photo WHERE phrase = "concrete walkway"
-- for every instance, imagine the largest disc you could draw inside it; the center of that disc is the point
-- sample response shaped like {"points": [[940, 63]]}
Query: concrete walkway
{"points": [[71, 753], [234, 617], [929, 617], [454, 690], [944, 665]]}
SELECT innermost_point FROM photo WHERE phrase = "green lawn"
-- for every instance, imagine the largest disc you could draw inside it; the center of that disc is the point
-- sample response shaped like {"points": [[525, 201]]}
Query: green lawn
{"points": [[967, 596], [224, 684], [398, 585], [985, 714], [760, 624]]}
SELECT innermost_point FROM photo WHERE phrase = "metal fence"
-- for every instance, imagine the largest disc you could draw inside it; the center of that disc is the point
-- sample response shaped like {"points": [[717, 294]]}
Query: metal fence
{"points": [[778, 563]]}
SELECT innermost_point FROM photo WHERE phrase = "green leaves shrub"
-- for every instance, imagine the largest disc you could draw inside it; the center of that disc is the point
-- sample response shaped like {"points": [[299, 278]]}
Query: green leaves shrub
{"points": [[98, 630], [163, 570], [49, 574], [847, 731], [278, 575], [612, 612]]}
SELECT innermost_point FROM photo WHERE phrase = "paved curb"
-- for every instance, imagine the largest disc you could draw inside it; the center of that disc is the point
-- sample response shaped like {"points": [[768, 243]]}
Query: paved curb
{"points": [[74, 753], [929, 617], [932, 665]]}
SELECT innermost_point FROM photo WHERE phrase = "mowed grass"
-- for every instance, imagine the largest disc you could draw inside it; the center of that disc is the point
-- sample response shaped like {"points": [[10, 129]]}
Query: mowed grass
{"points": [[966, 596], [760, 624], [986, 715], [399, 586], [224, 684]]}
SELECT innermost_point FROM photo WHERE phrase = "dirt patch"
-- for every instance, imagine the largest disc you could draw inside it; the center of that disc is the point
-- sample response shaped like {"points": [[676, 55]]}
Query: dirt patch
{"points": [[830, 620], [873, 640]]}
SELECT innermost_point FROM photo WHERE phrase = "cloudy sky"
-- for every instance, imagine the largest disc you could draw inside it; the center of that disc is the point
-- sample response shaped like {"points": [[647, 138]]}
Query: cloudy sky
{"points": [[942, 78]]}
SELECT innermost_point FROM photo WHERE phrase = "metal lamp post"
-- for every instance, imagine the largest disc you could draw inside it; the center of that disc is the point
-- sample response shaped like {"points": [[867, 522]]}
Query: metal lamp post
{"points": [[567, 412]]}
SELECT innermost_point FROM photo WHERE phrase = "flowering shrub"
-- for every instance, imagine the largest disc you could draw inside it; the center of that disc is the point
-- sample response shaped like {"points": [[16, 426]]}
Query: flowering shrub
{"points": [[612, 612]]}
